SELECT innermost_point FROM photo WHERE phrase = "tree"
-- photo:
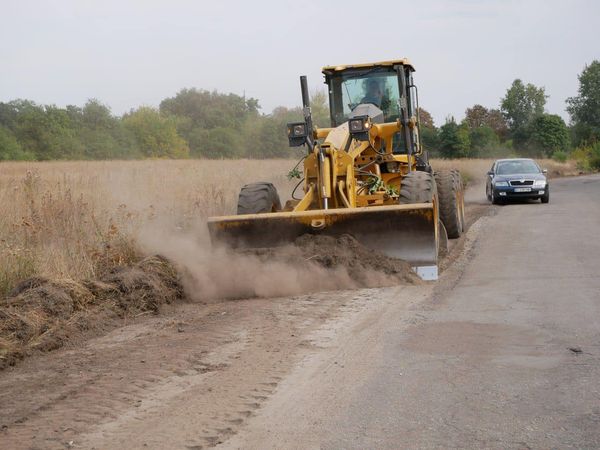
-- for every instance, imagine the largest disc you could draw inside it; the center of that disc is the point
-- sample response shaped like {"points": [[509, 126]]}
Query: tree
{"points": [[548, 133], [96, 115], [156, 134], [585, 107], [217, 143], [425, 118], [269, 138], [48, 132], [454, 140], [476, 116], [479, 116], [319, 105], [209, 109], [429, 133], [430, 139], [272, 140], [497, 122], [197, 112], [522, 103], [483, 139], [103, 135], [10, 149], [9, 113]]}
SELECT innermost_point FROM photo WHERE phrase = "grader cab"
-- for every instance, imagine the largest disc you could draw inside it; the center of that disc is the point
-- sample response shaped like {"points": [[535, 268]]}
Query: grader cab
{"points": [[366, 175]]}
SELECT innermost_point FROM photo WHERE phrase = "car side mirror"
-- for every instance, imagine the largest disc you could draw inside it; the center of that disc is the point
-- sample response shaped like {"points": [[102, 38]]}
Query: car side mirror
{"points": [[544, 171], [490, 173]]}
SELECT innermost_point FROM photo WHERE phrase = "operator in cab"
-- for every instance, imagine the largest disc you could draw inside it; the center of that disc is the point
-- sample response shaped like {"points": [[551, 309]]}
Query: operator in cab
{"points": [[373, 92]]}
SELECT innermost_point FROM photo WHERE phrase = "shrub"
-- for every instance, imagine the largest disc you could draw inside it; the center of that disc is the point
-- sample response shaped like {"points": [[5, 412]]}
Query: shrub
{"points": [[10, 149], [587, 157], [560, 156], [595, 156]]}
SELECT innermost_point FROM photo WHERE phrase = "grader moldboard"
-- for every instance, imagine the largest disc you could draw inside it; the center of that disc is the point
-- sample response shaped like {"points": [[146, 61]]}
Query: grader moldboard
{"points": [[367, 175]]}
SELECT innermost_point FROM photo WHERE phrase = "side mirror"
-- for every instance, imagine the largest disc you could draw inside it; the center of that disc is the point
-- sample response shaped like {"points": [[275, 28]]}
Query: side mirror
{"points": [[490, 173], [544, 171]]}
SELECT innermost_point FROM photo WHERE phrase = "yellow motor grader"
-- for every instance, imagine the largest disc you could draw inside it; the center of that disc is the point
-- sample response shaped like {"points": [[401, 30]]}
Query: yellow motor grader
{"points": [[367, 175]]}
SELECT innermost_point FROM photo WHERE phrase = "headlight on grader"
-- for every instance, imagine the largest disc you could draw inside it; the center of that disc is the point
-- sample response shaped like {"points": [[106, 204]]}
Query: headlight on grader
{"points": [[297, 133], [392, 167], [359, 127]]}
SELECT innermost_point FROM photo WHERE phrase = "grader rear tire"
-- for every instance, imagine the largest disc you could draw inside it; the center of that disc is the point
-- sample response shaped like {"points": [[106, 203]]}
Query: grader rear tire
{"points": [[450, 195], [258, 198]]}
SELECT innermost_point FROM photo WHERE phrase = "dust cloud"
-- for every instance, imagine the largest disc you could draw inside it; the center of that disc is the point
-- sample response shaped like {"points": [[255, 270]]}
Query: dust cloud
{"points": [[310, 264]]}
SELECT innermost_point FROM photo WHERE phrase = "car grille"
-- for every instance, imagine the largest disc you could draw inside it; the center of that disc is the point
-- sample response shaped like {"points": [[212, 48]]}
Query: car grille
{"points": [[521, 183]]}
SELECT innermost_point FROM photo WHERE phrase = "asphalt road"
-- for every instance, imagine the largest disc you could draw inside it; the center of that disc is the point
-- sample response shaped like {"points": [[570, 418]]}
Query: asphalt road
{"points": [[505, 353]]}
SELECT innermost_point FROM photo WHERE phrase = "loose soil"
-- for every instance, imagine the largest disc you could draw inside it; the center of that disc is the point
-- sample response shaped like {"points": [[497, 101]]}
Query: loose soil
{"points": [[365, 267], [40, 314]]}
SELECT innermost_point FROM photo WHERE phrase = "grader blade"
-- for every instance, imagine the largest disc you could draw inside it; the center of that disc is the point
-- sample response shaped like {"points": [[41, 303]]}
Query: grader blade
{"points": [[408, 232]]}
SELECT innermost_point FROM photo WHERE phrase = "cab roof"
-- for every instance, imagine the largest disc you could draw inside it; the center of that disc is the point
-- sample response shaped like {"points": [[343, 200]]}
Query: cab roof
{"points": [[393, 62]]}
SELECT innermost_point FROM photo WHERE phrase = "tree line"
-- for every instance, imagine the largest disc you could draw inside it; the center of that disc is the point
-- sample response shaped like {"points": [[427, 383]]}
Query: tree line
{"points": [[520, 126], [196, 123]]}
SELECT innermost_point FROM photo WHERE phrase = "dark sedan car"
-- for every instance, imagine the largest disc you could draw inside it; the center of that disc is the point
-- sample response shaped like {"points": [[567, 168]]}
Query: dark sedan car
{"points": [[516, 179]]}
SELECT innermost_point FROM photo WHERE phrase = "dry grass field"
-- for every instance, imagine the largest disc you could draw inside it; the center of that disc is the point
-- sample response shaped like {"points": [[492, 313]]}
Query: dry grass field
{"points": [[76, 220]]}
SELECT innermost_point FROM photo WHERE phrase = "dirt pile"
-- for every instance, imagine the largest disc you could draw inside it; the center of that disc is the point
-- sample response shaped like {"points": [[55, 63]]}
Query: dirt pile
{"points": [[42, 314], [312, 263], [364, 267]]}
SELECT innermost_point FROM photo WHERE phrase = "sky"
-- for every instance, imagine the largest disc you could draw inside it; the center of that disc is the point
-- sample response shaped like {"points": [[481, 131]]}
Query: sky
{"points": [[129, 53]]}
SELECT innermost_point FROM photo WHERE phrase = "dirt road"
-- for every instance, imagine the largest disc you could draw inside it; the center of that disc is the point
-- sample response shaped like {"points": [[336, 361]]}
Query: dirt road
{"points": [[502, 352]]}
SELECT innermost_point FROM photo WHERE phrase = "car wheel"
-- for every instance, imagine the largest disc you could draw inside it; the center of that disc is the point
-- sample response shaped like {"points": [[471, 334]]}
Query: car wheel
{"points": [[495, 199], [546, 197]]}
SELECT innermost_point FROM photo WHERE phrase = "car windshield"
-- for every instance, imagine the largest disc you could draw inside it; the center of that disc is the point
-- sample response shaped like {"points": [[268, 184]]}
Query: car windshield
{"points": [[517, 167], [380, 88]]}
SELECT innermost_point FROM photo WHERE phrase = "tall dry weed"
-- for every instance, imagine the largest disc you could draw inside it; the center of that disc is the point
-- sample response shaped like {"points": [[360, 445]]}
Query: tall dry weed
{"points": [[78, 219]]}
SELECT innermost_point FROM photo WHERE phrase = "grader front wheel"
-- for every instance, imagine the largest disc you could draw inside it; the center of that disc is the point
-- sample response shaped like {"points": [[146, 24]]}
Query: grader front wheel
{"points": [[450, 193], [461, 198], [257, 198], [417, 187]]}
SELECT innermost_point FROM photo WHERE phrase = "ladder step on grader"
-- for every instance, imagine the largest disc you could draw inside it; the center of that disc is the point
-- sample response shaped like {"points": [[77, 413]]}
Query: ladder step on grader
{"points": [[367, 175]]}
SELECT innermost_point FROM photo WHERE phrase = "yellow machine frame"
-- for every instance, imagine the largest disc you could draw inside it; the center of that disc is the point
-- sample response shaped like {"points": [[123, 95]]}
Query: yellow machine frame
{"points": [[340, 195]]}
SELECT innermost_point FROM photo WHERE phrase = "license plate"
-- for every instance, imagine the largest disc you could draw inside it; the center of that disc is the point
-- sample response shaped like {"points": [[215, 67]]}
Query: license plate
{"points": [[522, 189]]}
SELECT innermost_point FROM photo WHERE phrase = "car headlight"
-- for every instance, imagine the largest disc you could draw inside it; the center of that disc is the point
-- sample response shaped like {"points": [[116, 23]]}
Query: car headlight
{"points": [[539, 183], [501, 183]]}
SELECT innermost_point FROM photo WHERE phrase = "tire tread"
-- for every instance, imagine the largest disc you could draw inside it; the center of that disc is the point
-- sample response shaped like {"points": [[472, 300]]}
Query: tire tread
{"points": [[258, 198], [449, 185]]}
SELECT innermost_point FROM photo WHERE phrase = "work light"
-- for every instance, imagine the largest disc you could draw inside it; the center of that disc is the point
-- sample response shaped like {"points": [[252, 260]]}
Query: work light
{"points": [[359, 127], [297, 133]]}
